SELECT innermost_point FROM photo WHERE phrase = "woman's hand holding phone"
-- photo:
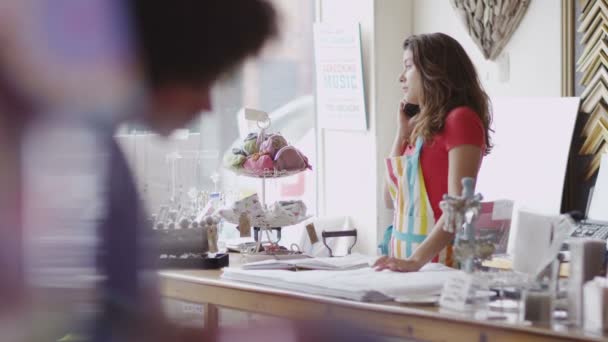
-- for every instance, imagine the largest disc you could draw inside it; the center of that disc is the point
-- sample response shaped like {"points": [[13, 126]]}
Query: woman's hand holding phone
{"points": [[406, 112], [402, 119]]}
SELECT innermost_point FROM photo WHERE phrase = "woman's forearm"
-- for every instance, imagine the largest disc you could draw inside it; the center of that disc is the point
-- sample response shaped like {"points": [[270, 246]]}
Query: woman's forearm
{"points": [[433, 244], [463, 162]]}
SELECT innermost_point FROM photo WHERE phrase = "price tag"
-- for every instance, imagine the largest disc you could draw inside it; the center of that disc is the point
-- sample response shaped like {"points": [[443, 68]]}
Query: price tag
{"points": [[255, 115], [456, 291], [244, 226], [312, 233]]}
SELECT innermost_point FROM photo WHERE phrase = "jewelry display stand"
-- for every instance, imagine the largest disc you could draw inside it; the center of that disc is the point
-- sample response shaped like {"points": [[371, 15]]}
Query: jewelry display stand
{"points": [[272, 247]]}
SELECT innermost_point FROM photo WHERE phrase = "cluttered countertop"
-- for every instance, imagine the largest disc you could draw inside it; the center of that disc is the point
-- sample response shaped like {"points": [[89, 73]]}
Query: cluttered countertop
{"points": [[506, 319]]}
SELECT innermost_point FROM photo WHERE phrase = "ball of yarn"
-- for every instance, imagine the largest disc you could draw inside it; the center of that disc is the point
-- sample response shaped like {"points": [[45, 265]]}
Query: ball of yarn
{"points": [[250, 147], [234, 160]]}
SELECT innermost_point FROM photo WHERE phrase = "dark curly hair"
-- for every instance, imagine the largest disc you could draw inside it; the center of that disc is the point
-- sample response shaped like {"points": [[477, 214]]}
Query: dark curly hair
{"points": [[196, 41], [449, 80]]}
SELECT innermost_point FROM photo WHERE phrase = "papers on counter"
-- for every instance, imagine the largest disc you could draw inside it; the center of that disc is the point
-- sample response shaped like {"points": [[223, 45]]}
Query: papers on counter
{"points": [[363, 284], [349, 262]]}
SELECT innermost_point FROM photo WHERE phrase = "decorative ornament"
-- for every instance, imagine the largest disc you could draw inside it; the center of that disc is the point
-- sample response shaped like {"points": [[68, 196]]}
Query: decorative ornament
{"points": [[491, 23]]}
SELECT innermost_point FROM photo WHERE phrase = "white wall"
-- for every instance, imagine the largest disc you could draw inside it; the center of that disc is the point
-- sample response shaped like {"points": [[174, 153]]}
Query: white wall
{"points": [[348, 173], [534, 50], [393, 23], [351, 163]]}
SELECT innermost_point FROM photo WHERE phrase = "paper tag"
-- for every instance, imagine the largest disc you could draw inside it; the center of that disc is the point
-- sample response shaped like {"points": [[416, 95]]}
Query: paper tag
{"points": [[502, 210], [244, 226], [255, 115], [456, 291], [312, 233]]}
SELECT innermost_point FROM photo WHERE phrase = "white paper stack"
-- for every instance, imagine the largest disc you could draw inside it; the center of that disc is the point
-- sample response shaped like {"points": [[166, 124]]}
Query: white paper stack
{"points": [[364, 284], [348, 262]]}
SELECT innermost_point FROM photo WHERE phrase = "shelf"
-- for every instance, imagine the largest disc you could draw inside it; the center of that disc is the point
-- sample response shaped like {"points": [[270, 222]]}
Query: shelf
{"points": [[266, 173]]}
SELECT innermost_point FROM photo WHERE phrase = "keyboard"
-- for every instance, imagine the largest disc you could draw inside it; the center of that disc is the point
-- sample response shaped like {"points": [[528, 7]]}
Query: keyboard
{"points": [[590, 229]]}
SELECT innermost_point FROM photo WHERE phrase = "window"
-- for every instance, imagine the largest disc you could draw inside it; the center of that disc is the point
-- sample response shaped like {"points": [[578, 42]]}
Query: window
{"points": [[280, 82]]}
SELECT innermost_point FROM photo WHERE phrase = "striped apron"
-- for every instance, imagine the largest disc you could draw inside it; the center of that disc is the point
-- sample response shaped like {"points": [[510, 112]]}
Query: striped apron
{"points": [[414, 218]]}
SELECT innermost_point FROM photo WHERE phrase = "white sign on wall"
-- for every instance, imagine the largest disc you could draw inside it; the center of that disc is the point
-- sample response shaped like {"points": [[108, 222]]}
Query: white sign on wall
{"points": [[339, 75]]}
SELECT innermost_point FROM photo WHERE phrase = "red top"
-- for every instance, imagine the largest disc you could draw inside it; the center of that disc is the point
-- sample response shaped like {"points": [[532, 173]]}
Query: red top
{"points": [[462, 127]]}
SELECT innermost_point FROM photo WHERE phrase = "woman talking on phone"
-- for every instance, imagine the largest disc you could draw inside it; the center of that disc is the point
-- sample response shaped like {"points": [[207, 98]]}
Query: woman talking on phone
{"points": [[443, 133]]}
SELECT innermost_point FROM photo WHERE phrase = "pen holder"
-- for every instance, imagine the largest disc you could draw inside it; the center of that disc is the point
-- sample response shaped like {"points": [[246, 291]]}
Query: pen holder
{"points": [[537, 306]]}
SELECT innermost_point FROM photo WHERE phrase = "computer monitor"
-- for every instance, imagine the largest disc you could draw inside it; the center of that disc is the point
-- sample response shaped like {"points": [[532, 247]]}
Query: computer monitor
{"points": [[598, 198], [531, 143]]}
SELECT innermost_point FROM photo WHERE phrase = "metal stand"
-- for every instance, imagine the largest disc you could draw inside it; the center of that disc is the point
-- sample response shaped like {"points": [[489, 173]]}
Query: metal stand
{"points": [[340, 233], [257, 230]]}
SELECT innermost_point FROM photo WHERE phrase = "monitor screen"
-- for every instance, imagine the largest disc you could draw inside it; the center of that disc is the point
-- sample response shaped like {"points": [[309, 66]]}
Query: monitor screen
{"points": [[531, 144], [598, 204]]}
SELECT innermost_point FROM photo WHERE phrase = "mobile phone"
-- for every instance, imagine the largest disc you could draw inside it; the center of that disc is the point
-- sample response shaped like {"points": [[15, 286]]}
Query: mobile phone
{"points": [[411, 109]]}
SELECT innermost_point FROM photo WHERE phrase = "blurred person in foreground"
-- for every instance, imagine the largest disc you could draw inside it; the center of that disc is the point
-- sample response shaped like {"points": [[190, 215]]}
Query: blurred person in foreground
{"points": [[66, 82], [185, 47], [82, 196]]}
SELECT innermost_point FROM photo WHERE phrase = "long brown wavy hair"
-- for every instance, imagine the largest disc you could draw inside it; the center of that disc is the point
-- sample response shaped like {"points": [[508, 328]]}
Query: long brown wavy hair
{"points": [[449, 80]]}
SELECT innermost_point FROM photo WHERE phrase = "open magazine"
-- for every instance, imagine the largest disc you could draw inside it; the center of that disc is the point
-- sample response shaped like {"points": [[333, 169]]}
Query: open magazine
{"points": [[348, 262]]}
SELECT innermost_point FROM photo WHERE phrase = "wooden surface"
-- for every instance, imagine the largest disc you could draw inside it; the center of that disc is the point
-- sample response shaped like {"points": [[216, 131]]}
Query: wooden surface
{"points": [[507, 264], [392, 319]]}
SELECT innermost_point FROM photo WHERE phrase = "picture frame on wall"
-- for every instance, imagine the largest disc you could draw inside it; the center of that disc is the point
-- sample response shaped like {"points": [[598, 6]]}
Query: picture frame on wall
{"points": [[567, 47], [584, 32]]}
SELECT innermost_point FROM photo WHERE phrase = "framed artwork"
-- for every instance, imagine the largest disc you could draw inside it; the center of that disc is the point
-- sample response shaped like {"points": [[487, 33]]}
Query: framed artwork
{"points": [[568, 47], [585, 75]]}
